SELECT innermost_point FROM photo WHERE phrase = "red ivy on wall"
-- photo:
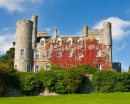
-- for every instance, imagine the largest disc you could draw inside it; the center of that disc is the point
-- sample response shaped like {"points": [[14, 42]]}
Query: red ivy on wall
{"points": [[89, 52]]}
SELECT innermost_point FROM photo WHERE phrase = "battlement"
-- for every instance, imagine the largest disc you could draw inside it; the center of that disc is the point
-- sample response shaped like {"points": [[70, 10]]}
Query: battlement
{"points": [[41, 33], [96, 31], [25, 22]]}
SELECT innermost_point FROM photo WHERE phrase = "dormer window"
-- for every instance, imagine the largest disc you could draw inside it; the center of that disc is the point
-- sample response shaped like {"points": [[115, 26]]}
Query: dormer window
{"points": [[59, 43], [80, 41], [42, 43], [69, 41]]}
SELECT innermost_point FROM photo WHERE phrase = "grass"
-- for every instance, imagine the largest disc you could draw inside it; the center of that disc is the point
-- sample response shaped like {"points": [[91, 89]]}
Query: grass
{"points": [[109, 98]]}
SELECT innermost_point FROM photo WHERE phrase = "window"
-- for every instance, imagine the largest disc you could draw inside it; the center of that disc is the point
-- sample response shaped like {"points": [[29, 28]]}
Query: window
{"points": [[28, 68], [47, 53], [97, 53], [36, 68], [59, 42], [47, 67], [80, 53], [97, 41], [98, 66], [37, 53], [22, 52], [15, 66], [59, 53], [69, 65], [70, 53], [42, 43], [69, 42], [80, 42]]}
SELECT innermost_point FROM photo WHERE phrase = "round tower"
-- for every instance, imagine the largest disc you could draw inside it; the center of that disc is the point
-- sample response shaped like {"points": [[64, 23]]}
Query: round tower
{"points": [[23, 46], [107, 33], [85, 31], [34, 19]]}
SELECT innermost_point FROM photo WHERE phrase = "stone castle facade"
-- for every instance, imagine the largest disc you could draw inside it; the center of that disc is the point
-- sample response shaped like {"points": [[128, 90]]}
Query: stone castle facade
{"points": [[32, 54]]}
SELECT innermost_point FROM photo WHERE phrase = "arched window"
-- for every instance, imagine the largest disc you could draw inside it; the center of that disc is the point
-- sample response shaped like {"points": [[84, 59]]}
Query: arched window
{"points": [[59, 41], [69, 41], [80, 41], [42, 41]]}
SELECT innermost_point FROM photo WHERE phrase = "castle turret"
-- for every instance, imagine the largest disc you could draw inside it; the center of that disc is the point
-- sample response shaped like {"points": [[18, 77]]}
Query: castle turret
{"points": [[107, 33], [34, 19], [85, 31], [23, 47]]}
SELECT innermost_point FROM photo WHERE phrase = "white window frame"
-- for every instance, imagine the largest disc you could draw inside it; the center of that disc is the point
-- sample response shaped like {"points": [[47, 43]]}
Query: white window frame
{"points": [[37, 54], [43, 41], [29, 70], [15, 66], [98, 66], [36, 69], [69, 65], [97, 41], [48, 54], [80, 53], [97, 53], [69, 53], [22, 52], [59, 53], [69, 41], [80, 40], [47, 65]]}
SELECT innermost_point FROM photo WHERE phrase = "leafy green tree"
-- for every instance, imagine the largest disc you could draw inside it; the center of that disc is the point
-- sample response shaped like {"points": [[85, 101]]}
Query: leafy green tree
{"points": [[129, 69]]}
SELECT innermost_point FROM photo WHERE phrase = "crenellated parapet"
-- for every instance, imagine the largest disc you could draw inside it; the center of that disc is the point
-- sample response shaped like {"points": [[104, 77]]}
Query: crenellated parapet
{"points": [[96, 31]]}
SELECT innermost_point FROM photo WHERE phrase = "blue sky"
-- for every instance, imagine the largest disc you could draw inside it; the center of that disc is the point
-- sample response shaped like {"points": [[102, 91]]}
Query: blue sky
{"points": [[69, 16]]}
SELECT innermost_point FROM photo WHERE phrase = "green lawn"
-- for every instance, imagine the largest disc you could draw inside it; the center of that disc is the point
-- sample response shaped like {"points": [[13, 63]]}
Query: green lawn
{"points": [[109, 98]]}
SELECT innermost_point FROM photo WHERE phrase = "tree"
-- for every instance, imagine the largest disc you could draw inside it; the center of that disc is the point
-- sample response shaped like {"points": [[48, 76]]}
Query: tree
{"points": [[129, 69]]}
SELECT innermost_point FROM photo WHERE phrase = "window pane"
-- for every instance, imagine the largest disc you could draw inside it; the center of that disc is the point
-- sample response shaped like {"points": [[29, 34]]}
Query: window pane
{"points": [[37, 53], [59, 53], [36, 68], [69, 42], [70, 53], [59, 42], [80, 42], [42, 43], [47, 67], [47, 53], [80, 53], [98, 66], [22, 52], [28, 68], [97, 41]]}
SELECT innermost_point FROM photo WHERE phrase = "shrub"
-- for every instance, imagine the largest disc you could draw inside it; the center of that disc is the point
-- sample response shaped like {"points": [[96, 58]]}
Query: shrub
{"points": [[87, 68], [122, 83], [104, 80], [26, 82]]}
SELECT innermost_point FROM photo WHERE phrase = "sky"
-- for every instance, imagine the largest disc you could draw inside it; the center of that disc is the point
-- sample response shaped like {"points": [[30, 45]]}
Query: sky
{"points": [[69, 16]]}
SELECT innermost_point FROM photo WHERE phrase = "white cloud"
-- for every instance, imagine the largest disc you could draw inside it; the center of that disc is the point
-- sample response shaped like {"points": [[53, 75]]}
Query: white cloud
{"points": [[17, 5], [119, 27], [122, 47], [6, 40]]}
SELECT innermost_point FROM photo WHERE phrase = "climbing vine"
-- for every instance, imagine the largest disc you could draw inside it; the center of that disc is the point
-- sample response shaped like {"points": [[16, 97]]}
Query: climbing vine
{"points": [[89, 52]]}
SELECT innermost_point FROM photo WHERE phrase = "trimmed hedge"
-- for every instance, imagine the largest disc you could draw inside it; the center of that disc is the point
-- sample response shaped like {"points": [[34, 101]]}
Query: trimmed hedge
{"points": [[111, 81]]}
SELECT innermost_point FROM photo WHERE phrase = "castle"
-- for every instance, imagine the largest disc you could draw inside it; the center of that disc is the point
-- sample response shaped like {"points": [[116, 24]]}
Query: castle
{"points": [[35, 50]]}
